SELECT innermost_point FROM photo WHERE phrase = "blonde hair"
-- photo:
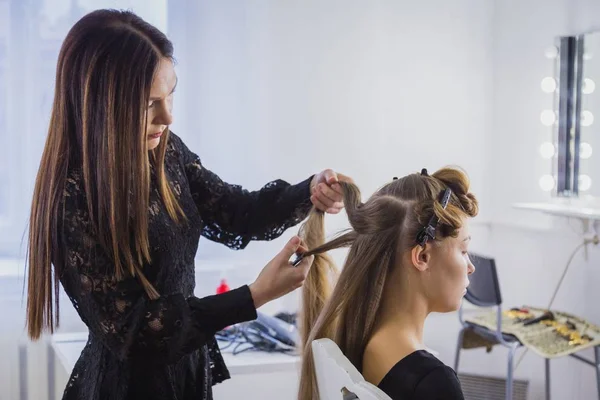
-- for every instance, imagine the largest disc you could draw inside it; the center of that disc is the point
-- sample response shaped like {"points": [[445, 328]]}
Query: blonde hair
{"points": [[381, 229]]}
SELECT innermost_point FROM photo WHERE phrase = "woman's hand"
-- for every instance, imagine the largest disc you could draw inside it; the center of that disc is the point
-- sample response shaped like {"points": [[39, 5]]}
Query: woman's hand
{"points": [[279, 277], [326, 192]]}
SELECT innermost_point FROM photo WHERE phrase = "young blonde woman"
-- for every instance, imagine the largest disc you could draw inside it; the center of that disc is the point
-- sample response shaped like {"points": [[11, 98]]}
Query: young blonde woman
{"points": [[408, 258]]}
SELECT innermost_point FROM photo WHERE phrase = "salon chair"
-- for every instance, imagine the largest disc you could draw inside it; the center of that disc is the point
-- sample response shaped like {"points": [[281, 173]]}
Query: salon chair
{"points": [[337, 378]]}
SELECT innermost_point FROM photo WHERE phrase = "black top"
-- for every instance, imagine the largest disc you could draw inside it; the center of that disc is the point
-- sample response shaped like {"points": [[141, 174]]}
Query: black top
{"points": [[165, 349], [421, 376]]}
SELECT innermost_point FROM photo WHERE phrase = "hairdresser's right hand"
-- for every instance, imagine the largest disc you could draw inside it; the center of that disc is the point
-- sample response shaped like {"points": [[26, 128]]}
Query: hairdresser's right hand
{"points": [[279, 277]]}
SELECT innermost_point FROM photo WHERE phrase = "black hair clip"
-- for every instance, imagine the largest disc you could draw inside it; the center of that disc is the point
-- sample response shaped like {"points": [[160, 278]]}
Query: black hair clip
{"points": [[428, 232], [395, 178], [424, 172]]}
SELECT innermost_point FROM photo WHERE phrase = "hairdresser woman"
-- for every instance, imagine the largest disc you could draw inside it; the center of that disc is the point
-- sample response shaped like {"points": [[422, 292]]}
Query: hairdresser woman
{"points": [[118, 209]]}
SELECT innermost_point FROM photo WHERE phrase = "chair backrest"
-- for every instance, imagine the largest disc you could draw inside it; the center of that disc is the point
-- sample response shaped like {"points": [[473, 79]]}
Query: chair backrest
{"points": [[484, 287], [336, 373]]}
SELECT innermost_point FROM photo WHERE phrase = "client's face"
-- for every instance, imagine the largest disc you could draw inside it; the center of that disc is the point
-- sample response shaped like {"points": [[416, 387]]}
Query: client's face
{"points": [[450, 268]]}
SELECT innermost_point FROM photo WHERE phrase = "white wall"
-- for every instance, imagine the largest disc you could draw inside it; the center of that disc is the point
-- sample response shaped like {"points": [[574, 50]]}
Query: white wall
{"points": [[583, 16], [375, 90]]}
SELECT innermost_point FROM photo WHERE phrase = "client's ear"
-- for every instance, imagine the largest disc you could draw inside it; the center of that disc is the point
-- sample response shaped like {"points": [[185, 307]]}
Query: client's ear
{"points": [[420, 256]]}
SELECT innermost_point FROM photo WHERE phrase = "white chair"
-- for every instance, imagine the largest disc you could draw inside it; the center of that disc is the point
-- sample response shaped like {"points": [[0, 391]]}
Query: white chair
{"points": [[337, 378]]}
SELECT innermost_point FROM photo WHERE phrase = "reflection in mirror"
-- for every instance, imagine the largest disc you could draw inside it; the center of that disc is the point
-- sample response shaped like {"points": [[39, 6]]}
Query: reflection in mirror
{"points": [[569, 109]]}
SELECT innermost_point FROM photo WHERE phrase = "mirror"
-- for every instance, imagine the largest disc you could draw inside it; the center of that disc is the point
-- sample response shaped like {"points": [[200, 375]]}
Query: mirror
{"points": [[577, 105]]}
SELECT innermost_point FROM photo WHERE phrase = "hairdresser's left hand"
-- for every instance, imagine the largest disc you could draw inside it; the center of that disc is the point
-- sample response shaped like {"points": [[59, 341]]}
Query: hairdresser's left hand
{"points": [[326, 192]]}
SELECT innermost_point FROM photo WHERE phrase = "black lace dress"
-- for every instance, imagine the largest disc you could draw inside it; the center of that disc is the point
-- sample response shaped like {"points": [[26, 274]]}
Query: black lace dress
{"points": [[165, 349]]}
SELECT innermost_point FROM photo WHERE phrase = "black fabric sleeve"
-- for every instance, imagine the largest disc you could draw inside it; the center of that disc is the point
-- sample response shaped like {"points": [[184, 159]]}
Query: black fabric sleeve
{"points": [[234, 216]]}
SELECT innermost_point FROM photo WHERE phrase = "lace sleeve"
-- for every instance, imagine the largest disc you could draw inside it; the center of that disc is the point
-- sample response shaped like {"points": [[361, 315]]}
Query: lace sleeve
{"points": [[121, 316], [235, 216]]}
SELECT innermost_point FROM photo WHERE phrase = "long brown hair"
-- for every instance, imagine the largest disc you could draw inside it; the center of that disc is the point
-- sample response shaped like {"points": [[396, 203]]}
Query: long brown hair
{"points": [[98, 125], [381, 229]]}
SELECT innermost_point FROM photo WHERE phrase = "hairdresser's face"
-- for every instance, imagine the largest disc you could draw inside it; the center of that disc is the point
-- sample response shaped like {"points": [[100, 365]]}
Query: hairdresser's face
{"points": [[448, 272], [160, 105]]}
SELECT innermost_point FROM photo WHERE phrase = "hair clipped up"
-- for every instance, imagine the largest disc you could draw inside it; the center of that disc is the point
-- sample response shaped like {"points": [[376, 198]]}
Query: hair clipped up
{"points": [[388, 222]]}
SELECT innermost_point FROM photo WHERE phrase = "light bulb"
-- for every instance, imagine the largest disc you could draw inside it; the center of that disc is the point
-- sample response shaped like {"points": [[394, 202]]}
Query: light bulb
{"points": [[587, 118], [585, 151], [548, 117], [548, 84], [547, 183], [547, 150], [588, 86], [551, 52], [585, 183]]}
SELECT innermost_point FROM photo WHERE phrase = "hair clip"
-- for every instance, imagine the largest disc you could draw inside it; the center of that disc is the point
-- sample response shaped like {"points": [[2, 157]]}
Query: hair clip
{"points": [[298, 260], [428, 232], [395, 178], [424, 172]]}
